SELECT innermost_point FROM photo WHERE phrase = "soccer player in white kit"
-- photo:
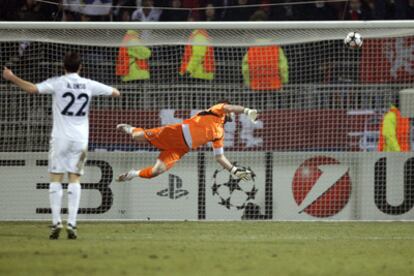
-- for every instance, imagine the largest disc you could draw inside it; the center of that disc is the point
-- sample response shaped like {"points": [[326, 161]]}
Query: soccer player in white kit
{"points": [[69, 140]]}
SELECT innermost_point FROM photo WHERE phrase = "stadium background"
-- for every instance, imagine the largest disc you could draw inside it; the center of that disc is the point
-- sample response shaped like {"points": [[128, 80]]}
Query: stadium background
{"points": [[327, 83], [336, 78]]}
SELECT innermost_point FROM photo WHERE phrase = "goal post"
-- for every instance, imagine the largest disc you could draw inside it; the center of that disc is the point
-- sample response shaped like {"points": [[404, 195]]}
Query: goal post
{"points": [[313, 149]]}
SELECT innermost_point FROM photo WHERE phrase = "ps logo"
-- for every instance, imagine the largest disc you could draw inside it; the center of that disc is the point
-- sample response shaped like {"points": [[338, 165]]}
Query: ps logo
{"points": [[174, 190]]}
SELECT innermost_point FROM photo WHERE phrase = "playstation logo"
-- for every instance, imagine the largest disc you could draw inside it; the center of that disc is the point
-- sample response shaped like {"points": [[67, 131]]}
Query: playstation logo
{"points": [[174, 190]]}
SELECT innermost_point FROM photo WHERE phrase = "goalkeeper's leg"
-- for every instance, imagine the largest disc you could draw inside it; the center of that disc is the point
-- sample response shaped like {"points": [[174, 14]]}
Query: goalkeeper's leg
{"points": [[148, 172], [166, 160]]}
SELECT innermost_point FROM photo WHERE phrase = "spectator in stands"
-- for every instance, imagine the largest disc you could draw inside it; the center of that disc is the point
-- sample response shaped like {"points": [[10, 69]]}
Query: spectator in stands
{"points": [[221, 10], [384, 10], [240, 13], [71, 10], [96, 10], [357, 11], [49, 11], [394, 131], [410, 10], [30, 11], [147, 12], [123, 14], [192, 6], [284, 12], [398, 8], [123, 10], [376, 9], [175, 15], [210, 13], [259, 15], [403, 9], [132, 62], [9, 10], [198, 60], [318, 11]]}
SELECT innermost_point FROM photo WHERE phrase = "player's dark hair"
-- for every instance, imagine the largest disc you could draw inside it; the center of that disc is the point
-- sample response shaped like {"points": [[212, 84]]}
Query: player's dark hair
{"points": [[72, 62]]}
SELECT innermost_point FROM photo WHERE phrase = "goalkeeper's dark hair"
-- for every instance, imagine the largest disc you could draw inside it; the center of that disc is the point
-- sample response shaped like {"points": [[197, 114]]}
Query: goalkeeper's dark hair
{"points": [[228, 117], [72, 62]]}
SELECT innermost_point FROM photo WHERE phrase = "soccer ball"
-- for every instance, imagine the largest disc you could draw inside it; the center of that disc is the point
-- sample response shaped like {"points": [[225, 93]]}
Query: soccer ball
{"points": [[353, 40], [232, 193]]}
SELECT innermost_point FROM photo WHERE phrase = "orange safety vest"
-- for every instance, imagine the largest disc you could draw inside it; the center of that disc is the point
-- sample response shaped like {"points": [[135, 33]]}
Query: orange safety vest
{"points": [[263, 64], [122, 61], [208, 64], [403, 132]]}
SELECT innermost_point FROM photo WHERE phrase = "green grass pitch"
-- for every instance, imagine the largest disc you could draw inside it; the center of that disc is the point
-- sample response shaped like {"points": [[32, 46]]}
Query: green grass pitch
{"points": [[210, 248]]}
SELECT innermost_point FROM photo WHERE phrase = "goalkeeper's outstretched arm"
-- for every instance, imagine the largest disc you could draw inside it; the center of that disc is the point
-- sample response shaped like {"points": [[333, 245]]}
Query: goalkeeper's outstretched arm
{"points": [[224, 162], [238, 109], [27, 86], [237, 172]]}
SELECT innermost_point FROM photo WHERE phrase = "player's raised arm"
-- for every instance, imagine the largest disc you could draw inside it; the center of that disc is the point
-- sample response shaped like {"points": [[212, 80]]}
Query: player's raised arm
{"points": [[27, 86], [115, 92], [100, 89]]}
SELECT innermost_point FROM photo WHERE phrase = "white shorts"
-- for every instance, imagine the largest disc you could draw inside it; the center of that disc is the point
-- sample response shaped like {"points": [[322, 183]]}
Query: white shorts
{"points": [[67, 156]]}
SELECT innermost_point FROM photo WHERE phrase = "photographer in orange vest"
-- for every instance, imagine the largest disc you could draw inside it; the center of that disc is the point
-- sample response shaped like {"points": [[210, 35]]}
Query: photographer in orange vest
{"points": [[394, 131], [265, 68], [198, 59], [132, 61]]}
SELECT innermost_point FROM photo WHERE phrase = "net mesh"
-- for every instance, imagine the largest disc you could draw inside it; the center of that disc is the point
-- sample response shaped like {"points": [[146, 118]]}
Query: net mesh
{"points": [[313, 150]]}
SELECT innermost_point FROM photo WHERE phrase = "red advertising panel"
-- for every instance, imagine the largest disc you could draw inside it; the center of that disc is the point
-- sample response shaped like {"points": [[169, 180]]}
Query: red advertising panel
{"points": [[388, 60]]}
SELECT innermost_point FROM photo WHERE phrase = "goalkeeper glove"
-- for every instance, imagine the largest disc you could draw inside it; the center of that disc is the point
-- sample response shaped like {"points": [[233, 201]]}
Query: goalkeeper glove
{"points": [[251, 114], [241, 173]]}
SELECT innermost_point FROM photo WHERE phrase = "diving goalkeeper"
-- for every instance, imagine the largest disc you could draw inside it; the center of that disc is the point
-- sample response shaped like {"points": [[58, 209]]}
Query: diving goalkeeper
{"points": [[174, 141]]}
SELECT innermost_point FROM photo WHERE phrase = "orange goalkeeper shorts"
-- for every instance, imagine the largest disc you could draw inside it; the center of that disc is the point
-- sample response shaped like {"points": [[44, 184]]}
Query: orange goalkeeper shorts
{"points": [[170, 141]]}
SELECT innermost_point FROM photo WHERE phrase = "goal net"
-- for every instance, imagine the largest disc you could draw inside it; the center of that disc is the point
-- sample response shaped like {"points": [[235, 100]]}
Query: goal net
{"points": [[313, 148]]}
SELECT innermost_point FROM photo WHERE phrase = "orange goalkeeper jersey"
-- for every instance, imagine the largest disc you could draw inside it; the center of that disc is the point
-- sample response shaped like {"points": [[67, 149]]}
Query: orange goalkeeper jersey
{"points": [[206, 126]]}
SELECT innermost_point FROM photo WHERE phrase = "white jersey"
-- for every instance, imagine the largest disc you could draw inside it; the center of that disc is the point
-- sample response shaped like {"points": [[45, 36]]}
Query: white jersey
{"points": [[72, 95]]}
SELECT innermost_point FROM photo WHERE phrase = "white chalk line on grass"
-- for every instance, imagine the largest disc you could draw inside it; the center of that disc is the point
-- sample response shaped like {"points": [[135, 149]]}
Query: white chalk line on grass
{"points": [[259, 238]]}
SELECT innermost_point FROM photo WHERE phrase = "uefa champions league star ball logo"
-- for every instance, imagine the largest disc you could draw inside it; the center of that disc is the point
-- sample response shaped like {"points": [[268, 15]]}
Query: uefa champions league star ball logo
{"points": [[232, 193], [321, 186]]}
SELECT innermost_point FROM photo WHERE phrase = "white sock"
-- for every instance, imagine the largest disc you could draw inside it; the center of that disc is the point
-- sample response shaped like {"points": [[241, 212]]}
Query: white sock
{"points": [[55, 198], [74, 194]]}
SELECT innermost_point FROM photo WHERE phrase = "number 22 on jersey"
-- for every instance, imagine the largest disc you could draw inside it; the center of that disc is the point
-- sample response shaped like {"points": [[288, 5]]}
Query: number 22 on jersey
{"points": [[68, 110]]}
